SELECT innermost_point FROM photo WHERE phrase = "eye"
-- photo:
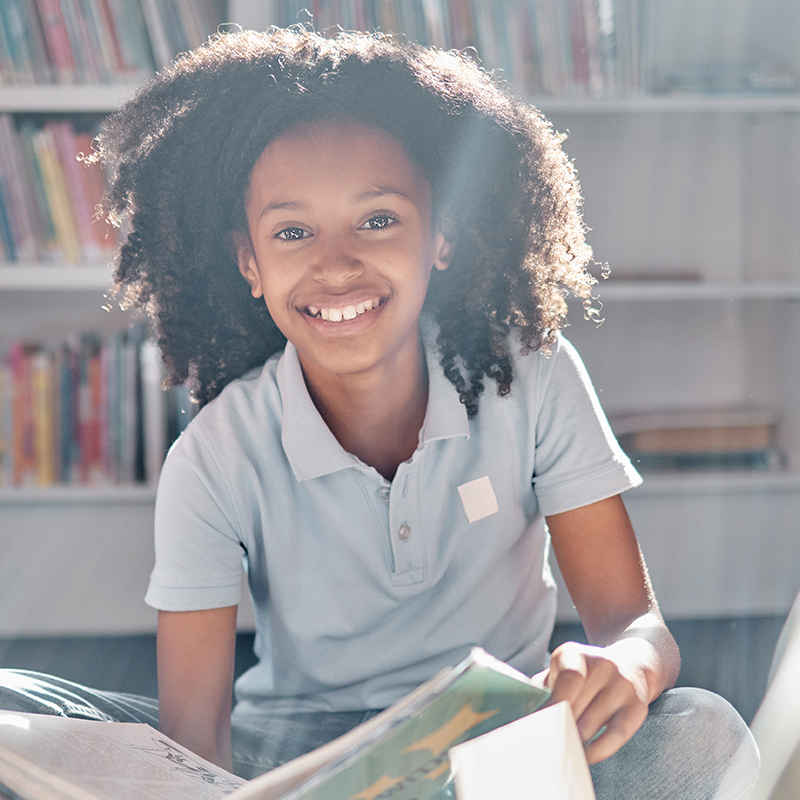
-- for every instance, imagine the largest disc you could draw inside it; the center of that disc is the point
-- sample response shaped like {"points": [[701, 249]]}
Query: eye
{"points": [[378, 222], [292, 234]]}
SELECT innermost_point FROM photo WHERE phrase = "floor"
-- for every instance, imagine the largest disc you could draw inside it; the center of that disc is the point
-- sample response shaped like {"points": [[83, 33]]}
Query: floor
{"points": [[729, 656]]}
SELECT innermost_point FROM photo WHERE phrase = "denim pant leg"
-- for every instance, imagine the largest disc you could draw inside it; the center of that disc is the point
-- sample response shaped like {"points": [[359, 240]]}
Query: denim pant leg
{"points": [[264, 742], [258, 743], [692, 746], [37, 693]]}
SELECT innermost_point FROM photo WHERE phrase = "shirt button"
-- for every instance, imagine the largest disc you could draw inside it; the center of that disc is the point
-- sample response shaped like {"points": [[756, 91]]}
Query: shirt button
{"points": [[383, 494], [404, 532]]}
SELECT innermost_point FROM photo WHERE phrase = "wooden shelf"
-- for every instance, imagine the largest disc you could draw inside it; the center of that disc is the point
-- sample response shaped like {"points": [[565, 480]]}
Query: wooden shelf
{"points": [[78, 495]]}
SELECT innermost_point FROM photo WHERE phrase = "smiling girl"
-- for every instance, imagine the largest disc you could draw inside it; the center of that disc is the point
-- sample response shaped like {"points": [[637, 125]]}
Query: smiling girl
{"points": [[393, 432]]}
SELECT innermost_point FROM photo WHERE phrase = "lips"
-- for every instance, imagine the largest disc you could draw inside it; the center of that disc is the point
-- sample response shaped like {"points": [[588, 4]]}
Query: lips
{"points": [[343, 313]]}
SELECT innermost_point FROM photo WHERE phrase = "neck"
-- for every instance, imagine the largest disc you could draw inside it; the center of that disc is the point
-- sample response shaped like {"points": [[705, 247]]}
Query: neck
{"points": [[376, 416]]}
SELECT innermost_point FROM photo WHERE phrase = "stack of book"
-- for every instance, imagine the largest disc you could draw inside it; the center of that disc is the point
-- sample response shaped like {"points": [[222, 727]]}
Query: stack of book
{"points": [[90, 411], [48, 196], [701, 439], [91, 41], [566, 47]]}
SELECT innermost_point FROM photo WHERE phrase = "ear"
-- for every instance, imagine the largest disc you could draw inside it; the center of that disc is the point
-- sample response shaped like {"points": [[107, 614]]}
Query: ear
{"points": [[442, 250], [242, 251]]}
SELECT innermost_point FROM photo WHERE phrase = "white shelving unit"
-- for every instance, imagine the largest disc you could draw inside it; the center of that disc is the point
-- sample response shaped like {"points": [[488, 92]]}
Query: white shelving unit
{"points": [[707, 185], [64, 98]]}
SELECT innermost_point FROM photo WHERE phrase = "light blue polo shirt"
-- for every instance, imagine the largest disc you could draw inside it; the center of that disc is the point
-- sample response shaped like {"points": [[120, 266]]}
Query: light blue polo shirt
{"points": [[363, 588]]}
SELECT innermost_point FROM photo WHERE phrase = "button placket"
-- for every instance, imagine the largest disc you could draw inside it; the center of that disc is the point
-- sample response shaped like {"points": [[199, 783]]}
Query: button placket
{"points": [[405, 527]]}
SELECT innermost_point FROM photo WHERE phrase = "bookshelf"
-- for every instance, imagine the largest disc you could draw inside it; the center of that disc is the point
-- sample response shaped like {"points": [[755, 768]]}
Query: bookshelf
{"points": [[691, 196]]}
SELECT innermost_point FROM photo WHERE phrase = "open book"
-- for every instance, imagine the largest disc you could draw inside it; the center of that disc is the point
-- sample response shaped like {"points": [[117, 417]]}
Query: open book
{"points": [[402, 753]]}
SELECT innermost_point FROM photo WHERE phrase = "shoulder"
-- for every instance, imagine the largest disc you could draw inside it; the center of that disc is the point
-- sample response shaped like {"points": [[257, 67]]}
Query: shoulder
{"points": [[545, 372], [248, 410]]}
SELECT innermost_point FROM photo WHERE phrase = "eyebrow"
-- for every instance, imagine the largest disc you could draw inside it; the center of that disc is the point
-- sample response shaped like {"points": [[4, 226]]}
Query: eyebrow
{"points": [[299, 205], [381, 191]]}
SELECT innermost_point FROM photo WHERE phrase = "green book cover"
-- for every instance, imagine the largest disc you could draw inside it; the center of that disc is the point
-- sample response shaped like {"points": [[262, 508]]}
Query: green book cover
{"points": [[409, 761]]}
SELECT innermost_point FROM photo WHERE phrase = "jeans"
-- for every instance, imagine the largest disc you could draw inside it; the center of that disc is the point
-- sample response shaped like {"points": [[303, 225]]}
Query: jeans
{"points": [[692, 746]]}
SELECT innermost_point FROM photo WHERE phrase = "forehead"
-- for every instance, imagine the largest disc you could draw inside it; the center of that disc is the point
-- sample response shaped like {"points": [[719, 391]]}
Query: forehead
{"points": [[334, 155]]}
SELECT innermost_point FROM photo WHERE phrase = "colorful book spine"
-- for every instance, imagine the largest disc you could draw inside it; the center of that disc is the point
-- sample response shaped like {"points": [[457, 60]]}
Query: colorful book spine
{"points": [[91, 411], [56, 37], [6, 422], [23, 466], [92, 41], [49, 195]]}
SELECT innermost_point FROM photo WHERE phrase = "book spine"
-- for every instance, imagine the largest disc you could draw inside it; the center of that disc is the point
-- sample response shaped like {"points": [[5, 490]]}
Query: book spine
{"points": [[84, 65], [43, 417], [18, 39], [107, 23], [57, 40], [44, 229], [63, 137], [16, 191], [6, 230], [58, 201], [24, 456], [42, 67], [137, 52], [155, 439], [157, 33], [6, 422]]}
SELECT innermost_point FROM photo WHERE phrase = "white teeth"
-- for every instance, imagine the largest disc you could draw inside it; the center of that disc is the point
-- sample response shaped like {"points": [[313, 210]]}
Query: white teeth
{"points": [[346, 313]]}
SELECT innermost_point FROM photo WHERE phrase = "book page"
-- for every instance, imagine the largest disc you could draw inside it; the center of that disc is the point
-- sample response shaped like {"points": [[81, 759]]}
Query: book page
{"points": [[102, 760], [539, 755], [402, 754]]}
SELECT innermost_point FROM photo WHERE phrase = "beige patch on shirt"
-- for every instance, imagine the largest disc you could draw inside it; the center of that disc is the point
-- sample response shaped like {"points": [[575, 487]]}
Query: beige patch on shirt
{"points": [[478, 499]]}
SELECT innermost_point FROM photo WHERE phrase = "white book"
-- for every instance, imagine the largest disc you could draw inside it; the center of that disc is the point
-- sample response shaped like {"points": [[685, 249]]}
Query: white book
{"points": [[540, 755]]}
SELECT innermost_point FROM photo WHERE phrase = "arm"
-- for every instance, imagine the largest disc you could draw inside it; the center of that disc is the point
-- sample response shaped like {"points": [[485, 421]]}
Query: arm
{"points": [[632, 657], [195, 651]]}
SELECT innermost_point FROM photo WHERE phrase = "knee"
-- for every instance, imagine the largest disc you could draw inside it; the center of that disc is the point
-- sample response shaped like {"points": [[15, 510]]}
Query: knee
{"points": [[704, 729]]}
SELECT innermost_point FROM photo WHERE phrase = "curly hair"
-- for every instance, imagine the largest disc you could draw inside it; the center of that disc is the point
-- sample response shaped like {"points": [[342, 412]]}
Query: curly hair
{"points": [[180, 153]]}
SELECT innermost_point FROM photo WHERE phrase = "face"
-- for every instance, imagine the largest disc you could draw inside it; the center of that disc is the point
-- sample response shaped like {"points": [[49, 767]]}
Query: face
{"points": [[340, 246]]}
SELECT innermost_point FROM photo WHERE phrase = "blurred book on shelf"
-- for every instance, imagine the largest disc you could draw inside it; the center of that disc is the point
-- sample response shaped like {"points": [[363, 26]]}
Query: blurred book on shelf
{"points": [[725, 79], [89, 411], [49, 195], [570, 48], [98, 41], [700, 439]]}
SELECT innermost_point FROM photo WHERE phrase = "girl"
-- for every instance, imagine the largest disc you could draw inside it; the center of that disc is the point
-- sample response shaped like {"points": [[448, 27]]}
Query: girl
{"points": [[343, 243]]}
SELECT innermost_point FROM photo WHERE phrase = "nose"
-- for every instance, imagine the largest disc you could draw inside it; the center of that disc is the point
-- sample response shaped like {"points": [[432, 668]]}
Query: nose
{"points": [[336, 262]]}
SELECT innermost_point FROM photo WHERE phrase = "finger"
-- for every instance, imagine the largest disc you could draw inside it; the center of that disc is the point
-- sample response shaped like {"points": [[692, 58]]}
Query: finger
{"points": [[607, 702], [620, 728], [568, 668], [579, 685]]}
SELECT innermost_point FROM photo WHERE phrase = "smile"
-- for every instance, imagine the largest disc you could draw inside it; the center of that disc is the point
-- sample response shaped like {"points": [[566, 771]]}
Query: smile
{"points": [[344, 313]]}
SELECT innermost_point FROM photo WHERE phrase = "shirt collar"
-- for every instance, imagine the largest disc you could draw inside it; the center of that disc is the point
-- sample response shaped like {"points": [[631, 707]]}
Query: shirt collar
{"points": [[313, 451]]}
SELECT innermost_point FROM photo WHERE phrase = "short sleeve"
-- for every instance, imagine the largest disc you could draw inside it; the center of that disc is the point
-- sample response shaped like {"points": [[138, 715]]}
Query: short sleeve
{"points": [[198, 550], [577, 460]]}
